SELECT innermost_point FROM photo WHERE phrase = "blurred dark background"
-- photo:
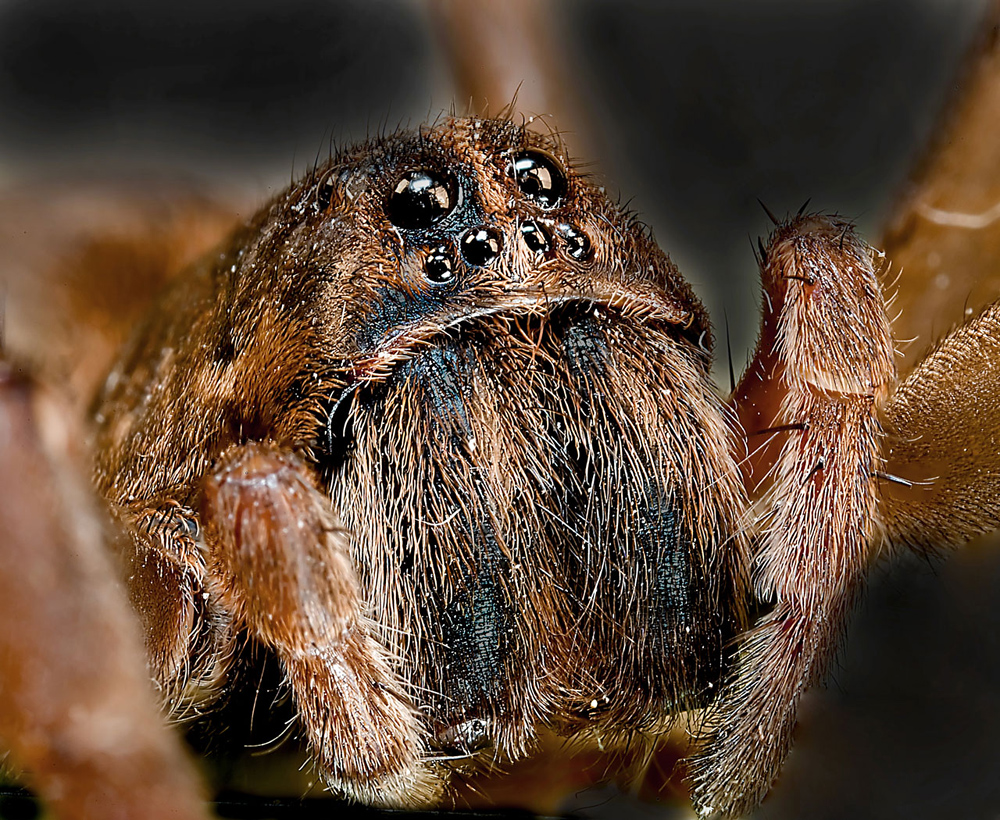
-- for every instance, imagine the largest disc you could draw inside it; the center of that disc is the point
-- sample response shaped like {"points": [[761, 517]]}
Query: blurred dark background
{"points": [[694, 110]]}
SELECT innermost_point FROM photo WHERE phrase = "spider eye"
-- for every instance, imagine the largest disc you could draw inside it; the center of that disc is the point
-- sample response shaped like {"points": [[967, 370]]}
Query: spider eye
{"points": [[539, 178], [535, 237], [419, 199], [576, 241], [481, 245], [438, 267]]}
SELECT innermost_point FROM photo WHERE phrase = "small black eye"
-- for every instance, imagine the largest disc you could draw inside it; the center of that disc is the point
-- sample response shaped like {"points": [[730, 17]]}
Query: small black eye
{"points": [[481, 245], [535, 237], [439, 268], [576, 241], [419, 199], [539, 178]]}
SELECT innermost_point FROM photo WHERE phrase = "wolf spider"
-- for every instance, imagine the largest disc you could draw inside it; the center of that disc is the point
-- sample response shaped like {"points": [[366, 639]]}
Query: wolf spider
{"points": [[434, 433]]}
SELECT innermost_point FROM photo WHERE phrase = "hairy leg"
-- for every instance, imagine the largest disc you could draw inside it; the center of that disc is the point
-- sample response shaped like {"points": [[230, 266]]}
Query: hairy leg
{"points": [[280, 564], [943, 431], [808, 403]]}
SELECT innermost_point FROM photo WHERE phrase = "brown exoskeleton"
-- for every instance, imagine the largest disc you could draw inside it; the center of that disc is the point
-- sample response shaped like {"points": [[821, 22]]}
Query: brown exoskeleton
{"points": [[435, 430]]}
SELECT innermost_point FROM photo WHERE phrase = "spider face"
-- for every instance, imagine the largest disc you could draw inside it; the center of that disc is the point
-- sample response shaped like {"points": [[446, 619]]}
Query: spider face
{"points": [[497, 385]]}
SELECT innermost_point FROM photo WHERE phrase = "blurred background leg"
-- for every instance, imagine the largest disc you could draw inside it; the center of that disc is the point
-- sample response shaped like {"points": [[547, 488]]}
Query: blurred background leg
{"points": [[77, 708]]}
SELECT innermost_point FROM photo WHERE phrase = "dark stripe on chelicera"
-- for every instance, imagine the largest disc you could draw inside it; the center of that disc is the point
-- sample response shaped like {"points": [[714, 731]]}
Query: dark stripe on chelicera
{"points": [[641, 538], [662, 542], [477, 628], [477, 622], [585, 347]]}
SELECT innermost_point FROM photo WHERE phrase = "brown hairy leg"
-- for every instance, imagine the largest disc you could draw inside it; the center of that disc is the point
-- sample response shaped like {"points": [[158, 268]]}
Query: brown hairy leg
{"points": [[944, 239], [76, 708], [808, 404], [83, 263], [280, 564], [189, 638], [943, 433], [67, 633], [504, 52]]}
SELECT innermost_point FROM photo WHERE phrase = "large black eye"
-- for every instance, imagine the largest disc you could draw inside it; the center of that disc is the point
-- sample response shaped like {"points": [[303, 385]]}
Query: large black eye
{"points": [[539, 178], [419, 199]]}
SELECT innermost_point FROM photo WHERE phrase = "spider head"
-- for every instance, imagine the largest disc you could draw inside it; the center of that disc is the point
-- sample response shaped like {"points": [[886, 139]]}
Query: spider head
{"points": [[523, 439]]}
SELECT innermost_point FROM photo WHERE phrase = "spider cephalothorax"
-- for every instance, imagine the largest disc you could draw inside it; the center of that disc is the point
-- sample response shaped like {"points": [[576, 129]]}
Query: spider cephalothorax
{"points": [[491, 378]]}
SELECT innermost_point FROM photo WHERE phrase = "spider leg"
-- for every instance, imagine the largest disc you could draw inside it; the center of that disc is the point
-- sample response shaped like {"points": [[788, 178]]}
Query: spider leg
{"points": [[944, 235], [478, 38], [189, 637], [943, 442], [944, 239], [76, 709], [278, 561], [823, 364]]}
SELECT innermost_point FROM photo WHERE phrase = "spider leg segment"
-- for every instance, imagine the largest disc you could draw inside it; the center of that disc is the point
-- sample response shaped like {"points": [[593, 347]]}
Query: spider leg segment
{"points": [[823, 365], [189, 638], [944, 235], [76, 708], [942, 424], [943, 439], [279, 563]]}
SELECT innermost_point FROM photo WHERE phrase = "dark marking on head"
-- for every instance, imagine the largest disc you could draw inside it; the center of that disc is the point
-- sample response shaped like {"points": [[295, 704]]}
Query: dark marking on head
{"points": [[444, 375], [393, 309]]}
